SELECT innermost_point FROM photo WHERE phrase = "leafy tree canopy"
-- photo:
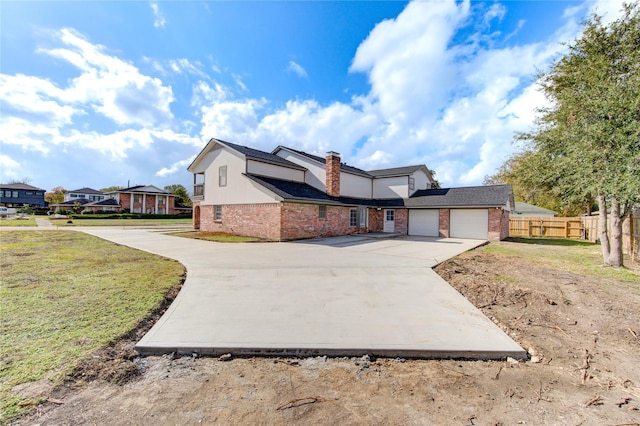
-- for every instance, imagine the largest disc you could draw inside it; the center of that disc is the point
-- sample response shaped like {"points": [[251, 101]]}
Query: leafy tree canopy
{"points": [[586, 143], [181, 193]]}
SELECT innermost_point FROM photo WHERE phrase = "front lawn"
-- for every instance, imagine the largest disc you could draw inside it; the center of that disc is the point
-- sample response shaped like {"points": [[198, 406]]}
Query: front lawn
{"points": [[217, 236], [64, 295], [120, 222], [25, 221], [580, 257]]}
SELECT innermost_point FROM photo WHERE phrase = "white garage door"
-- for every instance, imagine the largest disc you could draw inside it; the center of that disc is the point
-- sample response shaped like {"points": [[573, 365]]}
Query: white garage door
{"points": [[469, 223], [424, 223]]}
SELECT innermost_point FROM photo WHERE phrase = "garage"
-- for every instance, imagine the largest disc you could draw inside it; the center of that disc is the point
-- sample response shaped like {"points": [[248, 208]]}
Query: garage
{"points": [[424, 223], [469, 223]]}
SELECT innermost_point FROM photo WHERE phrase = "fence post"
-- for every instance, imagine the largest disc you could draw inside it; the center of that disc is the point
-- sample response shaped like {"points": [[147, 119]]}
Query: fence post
{"points": [[528, 228]]}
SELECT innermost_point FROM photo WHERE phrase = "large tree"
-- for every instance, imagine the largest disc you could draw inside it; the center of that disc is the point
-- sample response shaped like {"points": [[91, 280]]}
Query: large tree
{"points": [[588, 137], [181, 193], [56, 196]]}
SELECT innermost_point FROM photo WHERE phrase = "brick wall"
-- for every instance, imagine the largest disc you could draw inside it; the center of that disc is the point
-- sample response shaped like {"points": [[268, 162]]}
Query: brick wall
{"points": [[402, 220], [375, 220], [444, 223], [251, 220], [302, 221], [498, 224], [125, 201]]}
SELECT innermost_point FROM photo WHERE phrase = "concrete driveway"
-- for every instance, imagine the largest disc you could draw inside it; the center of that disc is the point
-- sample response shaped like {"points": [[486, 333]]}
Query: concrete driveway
{"points": [[344, 296]]}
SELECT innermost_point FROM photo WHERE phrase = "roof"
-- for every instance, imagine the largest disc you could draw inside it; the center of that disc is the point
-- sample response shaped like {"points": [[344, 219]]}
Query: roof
{"points": [[249, 153], [395, 171], [86, 191], [80, 201], [530, 208], [300, 191], [19, 186], [105, 202], [147, 189], [473, 196], [343, 166]]}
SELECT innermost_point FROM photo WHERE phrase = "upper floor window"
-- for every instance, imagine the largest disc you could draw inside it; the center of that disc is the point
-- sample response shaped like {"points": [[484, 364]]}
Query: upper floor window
{"points": [[222, 176], [412, 184], [137, 198], [161, 199], [15, 194]]}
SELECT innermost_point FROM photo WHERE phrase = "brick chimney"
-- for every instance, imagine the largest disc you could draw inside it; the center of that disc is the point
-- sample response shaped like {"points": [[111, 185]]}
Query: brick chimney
{"points": [[333, 174]]}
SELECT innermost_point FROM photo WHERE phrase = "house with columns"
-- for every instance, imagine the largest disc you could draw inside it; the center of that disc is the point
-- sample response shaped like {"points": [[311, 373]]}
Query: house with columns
{"points": [[146, 199]]}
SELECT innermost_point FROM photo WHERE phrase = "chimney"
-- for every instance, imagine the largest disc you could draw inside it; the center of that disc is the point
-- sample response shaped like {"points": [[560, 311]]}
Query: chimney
{"points": [[333, 174]]}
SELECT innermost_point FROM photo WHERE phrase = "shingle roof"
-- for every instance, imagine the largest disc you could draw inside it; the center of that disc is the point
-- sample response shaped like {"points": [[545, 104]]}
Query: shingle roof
{"points": [[144, 188], [19, 186], [343, 167], [300, 191], [395, 171], [87, 191], [105, 202], [473, 196], [256, 154], [81, 201], [530, 208]]}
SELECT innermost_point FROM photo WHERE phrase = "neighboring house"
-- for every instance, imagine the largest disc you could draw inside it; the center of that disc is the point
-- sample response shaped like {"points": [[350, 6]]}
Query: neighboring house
{"points": [[20, 194], [82, 204], [289, 194], [145, 199], [529, 210], [84, 193]]}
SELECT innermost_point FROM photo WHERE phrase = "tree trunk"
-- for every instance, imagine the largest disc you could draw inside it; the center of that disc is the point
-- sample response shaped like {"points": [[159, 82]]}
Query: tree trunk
{"points": [[602, 228], [615, 256]]}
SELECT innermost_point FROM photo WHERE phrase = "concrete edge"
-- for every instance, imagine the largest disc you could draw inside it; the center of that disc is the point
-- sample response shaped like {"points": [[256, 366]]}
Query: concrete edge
{"points": [[436, 354]]}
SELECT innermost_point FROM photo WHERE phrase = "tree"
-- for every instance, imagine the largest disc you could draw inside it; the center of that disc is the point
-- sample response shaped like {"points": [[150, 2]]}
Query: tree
{"points": [[588, 138], [181, 193], [56, 196], [111, 188], [521, 171]]}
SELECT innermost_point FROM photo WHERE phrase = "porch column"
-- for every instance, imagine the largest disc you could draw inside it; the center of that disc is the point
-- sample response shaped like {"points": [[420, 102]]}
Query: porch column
{"points": [[144, 203]]}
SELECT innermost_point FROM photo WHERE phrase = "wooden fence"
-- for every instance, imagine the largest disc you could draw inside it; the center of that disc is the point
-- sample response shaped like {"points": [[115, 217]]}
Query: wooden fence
{"points": [[578, 228]]}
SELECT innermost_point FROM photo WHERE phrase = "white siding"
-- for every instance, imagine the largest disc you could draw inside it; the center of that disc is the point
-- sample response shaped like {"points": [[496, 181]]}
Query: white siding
{"points": [[391, 187], [421, 180], [424, 223], [316, 173], [469, 223], [355, 186], [239, 190], [271, 170]]}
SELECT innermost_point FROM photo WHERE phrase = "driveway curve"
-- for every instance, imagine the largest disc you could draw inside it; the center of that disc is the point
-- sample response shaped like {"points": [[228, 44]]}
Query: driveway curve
{"points": [[345, 296]]}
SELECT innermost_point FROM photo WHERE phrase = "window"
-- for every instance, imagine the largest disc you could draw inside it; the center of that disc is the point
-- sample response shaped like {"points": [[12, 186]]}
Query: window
{"points": [[15, 194], [1, 193], [217, 212], [137, 198], [322, 212], [353, 217], [412, 184], [160, 199], [390, 215], [73, 196], [30, 193], [222, 176]]}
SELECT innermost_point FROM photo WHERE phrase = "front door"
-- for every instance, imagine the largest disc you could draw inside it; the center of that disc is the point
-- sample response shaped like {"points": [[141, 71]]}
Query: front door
{"points": [[389, 221]]}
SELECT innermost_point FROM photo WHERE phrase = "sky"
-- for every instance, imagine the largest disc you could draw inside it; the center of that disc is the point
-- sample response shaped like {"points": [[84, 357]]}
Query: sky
{"points": [[102, 93]]}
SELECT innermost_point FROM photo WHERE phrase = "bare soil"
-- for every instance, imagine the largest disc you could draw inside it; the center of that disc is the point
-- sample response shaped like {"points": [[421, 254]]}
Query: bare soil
{"points": [[582, 335]]}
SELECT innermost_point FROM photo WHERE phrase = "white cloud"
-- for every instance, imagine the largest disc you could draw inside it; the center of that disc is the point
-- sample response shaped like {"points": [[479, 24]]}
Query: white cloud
{"points": [[175, 167], [9, 168], [297, 69], [159, 21]]}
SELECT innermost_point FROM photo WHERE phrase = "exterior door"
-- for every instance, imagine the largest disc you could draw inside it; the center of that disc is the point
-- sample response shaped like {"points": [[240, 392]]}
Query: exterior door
{"points": [[389, 221]]}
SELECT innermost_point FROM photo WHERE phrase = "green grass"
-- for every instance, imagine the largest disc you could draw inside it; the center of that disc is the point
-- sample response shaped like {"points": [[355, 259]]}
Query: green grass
{"points": [[29, 221], [64, 295], [579, 257], [217, 236], [120, 222]]}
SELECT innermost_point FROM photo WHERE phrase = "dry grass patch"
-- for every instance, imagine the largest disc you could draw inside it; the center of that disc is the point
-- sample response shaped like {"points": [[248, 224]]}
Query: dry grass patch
{"points": [[65, 295]]}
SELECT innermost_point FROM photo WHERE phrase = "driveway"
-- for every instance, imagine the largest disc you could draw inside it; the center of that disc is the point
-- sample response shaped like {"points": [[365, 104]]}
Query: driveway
{"points": [[344, 296]]}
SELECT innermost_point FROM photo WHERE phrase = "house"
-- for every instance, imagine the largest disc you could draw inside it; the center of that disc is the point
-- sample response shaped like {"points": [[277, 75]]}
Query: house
{"points": [[529, 210], [21, 194], [145, 199], [289, 194], [84, 193]]}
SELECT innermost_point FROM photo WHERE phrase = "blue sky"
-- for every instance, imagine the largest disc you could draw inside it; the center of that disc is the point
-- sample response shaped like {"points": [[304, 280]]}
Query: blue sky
{"points": [[109, 93]]}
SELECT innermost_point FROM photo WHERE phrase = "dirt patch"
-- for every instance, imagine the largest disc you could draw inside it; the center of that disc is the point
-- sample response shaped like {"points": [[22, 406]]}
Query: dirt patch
{"points": [[581, 333]]}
